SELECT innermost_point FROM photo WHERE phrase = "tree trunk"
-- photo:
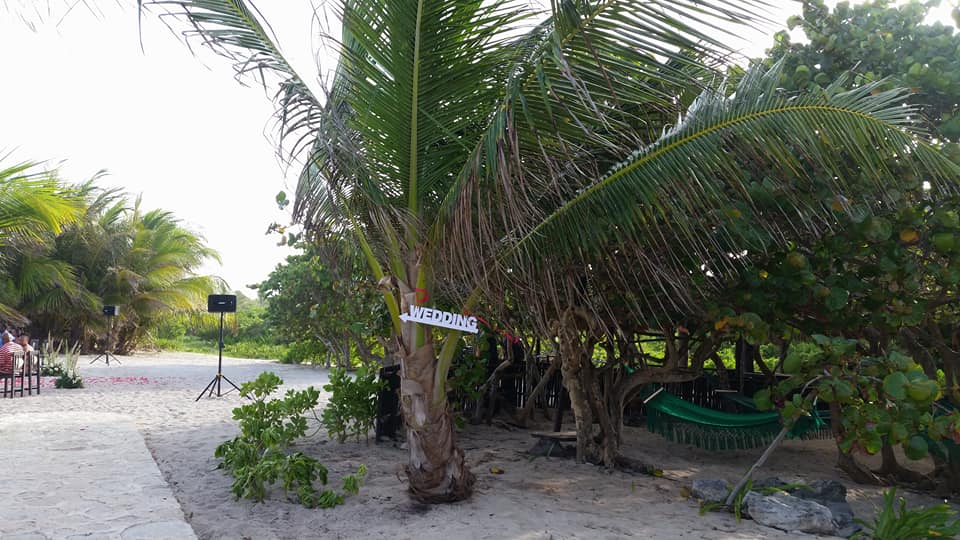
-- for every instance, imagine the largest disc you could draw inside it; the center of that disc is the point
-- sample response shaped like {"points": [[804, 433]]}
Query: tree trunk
{"points": [[571, 368], [846, 462], [523, 416], [947, 476], [891, 469], [436, 469]]}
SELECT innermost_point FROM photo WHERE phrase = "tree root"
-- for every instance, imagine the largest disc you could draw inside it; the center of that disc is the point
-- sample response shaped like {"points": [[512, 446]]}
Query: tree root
{"points": [[857, 472], [903, 476]]}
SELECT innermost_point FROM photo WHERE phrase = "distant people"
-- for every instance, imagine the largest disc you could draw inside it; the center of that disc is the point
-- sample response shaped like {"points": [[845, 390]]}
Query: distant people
{"points": [[23, 340], [7, 350]]}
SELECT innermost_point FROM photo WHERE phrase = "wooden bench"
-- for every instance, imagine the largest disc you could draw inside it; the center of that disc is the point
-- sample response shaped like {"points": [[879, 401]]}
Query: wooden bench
{"points": [[550, 443]]}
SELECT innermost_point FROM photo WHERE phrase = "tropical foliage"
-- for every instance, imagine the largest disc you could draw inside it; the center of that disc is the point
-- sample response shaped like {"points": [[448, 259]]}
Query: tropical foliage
{"points": [[352, 408], [320, 301], [35, 205], [68, 250], [470, 154], [257, 457], [874, 292]]}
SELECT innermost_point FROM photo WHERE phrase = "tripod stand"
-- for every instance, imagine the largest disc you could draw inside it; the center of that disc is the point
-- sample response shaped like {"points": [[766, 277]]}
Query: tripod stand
{"points": [[107, 354], [215, 382]]}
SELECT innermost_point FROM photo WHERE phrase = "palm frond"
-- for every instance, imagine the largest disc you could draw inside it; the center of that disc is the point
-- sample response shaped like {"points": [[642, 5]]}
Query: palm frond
{"points": [[34, 202], [736, 177], [237, 31]]}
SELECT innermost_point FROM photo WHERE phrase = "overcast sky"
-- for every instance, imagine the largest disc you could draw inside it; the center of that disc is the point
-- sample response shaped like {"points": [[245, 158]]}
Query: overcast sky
{"points": [[178, 130]]}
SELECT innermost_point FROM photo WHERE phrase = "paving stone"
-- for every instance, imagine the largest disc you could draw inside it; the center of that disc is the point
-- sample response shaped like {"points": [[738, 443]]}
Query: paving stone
{"points": [[90, 477]]}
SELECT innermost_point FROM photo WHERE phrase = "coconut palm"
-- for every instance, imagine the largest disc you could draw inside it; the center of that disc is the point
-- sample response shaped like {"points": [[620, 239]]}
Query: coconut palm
{"points": [[34, 206], [142, 261], [457, 135]]}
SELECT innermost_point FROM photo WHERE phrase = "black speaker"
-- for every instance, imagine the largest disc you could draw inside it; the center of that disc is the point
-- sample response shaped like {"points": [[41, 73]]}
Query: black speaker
{"points": [[111, 311], [222, 303]]}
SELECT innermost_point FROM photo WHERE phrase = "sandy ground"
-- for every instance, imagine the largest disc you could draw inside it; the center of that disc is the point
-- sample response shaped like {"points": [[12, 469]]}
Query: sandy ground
{"points": [[532, 499]]}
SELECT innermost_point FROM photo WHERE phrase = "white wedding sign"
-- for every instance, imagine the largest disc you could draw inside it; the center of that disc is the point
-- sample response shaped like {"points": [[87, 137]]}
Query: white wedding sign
{"points": [[445, 319]]}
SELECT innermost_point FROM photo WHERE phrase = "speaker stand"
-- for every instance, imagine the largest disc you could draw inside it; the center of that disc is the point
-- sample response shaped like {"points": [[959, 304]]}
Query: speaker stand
{"points": [[106, 354], [214, 383]]}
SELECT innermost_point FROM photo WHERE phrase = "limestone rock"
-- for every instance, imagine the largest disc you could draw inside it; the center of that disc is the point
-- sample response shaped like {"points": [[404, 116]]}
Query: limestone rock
{"points": [[710, 490], [769, 482], [833, 495], [789, 513]]}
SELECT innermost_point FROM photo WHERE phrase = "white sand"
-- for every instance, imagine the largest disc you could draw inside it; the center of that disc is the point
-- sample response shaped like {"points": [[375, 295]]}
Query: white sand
{"points": [[540, 498]]}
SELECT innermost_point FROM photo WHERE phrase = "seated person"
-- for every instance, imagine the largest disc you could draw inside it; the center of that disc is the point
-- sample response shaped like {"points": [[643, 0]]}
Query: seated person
{"points": [[24, 341], [7, 350]]}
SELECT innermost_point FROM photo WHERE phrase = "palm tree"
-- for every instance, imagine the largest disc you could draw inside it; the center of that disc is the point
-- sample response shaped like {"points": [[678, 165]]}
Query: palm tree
{"points": [[142, 261], [454, 136], [157, 275], [34, 206]]}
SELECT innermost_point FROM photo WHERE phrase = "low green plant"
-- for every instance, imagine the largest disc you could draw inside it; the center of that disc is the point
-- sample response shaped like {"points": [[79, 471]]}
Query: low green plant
{"points": [[234, 349], [467, 375], [935, 522], [352, 409], [52, 370], [738, 500], [66, 365], [256, 457]]}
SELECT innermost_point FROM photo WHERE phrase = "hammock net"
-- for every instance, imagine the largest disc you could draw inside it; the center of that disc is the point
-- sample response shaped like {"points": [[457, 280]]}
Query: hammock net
{"points": [[686, 423]]}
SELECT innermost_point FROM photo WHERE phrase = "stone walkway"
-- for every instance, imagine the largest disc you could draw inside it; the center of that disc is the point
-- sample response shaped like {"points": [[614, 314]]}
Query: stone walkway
{"points": [[82, 475]]}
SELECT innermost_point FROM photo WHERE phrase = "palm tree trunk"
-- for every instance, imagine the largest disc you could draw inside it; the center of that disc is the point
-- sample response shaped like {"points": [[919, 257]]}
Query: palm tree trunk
{"points": [[437, 469]]}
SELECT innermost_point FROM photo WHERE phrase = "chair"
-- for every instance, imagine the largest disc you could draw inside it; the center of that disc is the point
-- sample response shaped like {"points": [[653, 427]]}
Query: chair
{"points": [[35, 367], [10, 379]]}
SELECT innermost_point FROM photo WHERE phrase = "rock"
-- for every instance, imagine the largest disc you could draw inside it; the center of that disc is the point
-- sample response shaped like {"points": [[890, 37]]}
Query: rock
{"points": [[822, 490], [789, 513], [833, 495], [710, 490], [769, 482]]}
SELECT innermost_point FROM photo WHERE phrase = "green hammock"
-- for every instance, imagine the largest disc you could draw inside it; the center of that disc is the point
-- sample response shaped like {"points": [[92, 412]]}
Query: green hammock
{"points": [[686, 423]]}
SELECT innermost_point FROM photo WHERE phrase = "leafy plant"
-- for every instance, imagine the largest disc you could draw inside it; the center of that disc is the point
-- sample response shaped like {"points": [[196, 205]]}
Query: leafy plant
{"points": [[52, 370], [937, 521], [257, 457], [66, 367], [738, 500], [353, 403], [885, 398], [467, 375]]}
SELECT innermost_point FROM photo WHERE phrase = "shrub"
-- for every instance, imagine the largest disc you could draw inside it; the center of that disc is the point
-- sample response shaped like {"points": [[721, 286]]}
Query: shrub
{"points": [[467, 375], [256, 457], [353, 403], [254, 349], [299, 352], [64, 366], [937, 521]]}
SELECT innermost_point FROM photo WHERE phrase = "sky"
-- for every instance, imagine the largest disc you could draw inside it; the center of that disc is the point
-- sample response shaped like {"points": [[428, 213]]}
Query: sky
{"points": [[80, 95]]}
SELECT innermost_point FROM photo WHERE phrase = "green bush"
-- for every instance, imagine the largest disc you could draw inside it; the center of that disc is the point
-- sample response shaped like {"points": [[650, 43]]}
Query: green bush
{"points": [[171, 328], [64, 365], [254, 349], [256, 457], [238, 349], [299, 352], [353, 403], [69, 380], [937, 522], [467, 375]]}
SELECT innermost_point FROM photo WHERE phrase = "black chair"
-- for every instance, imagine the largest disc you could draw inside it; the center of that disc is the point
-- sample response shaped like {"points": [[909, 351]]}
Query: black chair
{"points": [[11, 378], [32, 366]]}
